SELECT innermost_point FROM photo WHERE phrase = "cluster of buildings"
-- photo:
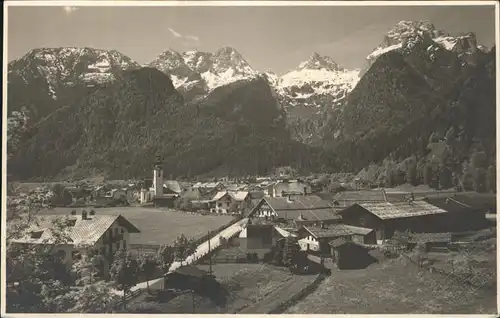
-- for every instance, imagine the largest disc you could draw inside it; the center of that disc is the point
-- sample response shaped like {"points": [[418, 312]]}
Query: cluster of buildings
{"points": [[221, 197], [342, 229]]}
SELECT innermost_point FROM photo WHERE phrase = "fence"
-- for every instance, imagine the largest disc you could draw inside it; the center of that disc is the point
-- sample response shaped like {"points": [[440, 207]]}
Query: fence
{"points": [[299, 295], [131, 295]]}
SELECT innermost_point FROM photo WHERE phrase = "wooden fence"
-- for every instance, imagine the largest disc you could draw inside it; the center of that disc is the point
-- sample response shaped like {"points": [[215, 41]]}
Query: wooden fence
{"points": [[119, 303], [299, 295]]}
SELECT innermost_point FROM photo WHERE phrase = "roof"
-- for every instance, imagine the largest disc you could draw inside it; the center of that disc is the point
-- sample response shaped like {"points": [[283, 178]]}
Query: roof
{"points": [[190, 270], [173, 186], [337, 230], [429, 237], [82, 232], [337, 242], [235, 195], [239, 195], [219, 195], [305, 207], [397, 210], [283, 232]]}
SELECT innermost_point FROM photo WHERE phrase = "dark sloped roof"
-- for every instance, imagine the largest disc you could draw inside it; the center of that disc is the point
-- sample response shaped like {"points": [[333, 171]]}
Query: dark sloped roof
{"points": [[337, 242], [190, 271]]}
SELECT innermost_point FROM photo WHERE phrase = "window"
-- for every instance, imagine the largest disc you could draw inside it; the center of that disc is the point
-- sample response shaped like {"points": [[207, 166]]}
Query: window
{"points": [[118, 245], [103, 250], [124, 244], [123, 231]]}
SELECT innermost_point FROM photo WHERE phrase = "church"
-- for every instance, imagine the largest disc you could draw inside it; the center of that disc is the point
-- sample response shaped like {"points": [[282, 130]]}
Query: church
{"points": [[160, 192]]}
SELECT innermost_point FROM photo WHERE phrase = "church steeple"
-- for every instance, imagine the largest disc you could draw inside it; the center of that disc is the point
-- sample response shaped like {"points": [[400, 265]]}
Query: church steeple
{"points": [[158, 176]]}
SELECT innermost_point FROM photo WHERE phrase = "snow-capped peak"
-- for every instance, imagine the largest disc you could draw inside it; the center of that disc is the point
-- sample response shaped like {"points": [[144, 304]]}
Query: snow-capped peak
{"points": [[406, 34], [67, 66], [318, 62]]}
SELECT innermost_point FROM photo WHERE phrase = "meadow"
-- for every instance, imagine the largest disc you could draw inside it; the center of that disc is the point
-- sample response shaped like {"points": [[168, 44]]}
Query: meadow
{"points": [[157, 226], [395, 286]]}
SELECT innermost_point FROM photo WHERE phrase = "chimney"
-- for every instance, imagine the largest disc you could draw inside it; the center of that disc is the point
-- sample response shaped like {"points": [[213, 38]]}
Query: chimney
{"points": [[92, 212], [73, 212], [84, 215]]}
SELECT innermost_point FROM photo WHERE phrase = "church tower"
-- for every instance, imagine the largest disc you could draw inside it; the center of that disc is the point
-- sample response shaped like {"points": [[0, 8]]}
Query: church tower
{"points": [[158, 177]]}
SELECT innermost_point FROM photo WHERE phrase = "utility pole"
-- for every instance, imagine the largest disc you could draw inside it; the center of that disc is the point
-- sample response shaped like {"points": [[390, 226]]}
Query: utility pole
{"points": [[192, 294], [209, 255]]}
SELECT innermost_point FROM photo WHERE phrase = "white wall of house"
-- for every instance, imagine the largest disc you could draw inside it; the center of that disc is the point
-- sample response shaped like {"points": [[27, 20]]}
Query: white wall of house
{"points": [[309, 243], [223, 205]]}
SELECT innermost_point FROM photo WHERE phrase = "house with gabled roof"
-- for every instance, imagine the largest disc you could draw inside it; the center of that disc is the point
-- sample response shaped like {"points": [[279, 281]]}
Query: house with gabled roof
{"points": [[102, 234], [316, 239], [300, 209], [387, 217], [225, 202]]}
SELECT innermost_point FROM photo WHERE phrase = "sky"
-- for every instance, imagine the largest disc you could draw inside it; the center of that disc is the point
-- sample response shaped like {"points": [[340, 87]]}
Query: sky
{"points": [[270, 38]]}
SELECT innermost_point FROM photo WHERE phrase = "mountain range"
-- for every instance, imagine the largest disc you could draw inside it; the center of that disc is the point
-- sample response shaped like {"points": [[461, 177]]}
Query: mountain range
{"points": [[73, 110]]}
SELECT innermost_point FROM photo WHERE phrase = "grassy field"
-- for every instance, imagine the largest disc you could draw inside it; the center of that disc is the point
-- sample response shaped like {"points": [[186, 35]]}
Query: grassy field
{"points": [[394, 287], [158, 226], [252, 286]]}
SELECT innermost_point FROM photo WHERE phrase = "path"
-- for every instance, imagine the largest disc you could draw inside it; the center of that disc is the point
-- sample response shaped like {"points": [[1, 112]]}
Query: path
{"points": [[201, 250]]}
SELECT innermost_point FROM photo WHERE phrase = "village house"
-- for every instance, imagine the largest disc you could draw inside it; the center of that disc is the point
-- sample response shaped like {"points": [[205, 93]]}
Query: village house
{"points": [[387, 217], [104, 234], [287, 187], [301, 210], [347, 254], [228, 202], [260, 237], [316, 239]]}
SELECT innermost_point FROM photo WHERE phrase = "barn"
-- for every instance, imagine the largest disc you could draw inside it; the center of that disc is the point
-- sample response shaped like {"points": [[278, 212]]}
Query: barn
{"points": [[350, 255], [387, 217]]}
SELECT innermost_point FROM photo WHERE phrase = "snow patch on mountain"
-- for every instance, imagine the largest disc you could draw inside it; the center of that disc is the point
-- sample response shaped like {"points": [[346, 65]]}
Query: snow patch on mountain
{"points": [[405, 34]]}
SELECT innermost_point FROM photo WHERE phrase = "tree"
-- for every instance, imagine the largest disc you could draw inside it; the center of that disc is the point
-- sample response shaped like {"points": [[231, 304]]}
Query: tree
{"points": [[124, 272], [480, 180], [61, 197], [147, 266], [93, 298], [428, 175], [467, 177], [445, 177], [37, 280], [290, 250], [165, 257], [411, 172], [479, 159], [491, 179], [390, 175], [180, 247]]}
